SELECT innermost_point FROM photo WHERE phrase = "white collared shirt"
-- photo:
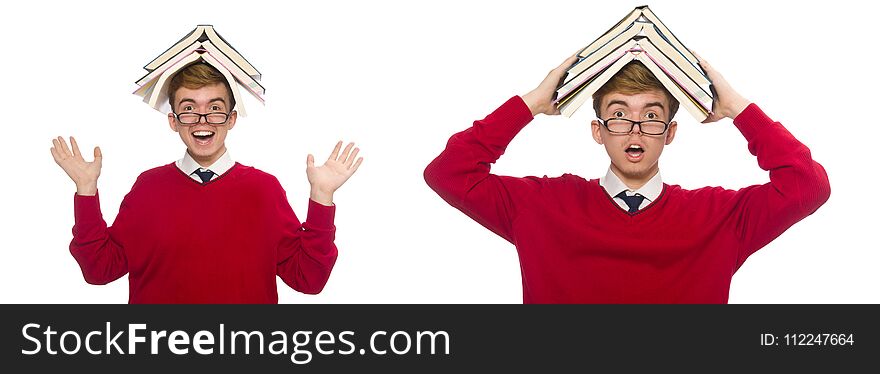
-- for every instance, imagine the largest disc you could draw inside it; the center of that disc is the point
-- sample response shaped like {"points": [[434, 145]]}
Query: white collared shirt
{"points": [[613, 185], [189, 166]]}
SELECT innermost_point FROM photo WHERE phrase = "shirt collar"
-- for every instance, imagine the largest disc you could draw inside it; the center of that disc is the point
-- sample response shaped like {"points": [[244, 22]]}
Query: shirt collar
{"points": [[188, 165], [613, 185]]}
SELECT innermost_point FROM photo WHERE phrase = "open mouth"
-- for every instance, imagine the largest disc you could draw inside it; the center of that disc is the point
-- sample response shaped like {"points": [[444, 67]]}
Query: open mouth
{"points": [[635, 152], [203, 136]]}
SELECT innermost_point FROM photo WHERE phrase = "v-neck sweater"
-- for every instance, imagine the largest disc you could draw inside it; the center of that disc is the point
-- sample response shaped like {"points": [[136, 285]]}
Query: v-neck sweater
{"points": [[224, 241], [576, 245]]}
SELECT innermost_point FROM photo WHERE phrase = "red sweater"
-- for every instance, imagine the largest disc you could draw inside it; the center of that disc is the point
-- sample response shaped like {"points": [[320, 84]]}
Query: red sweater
{"points": [[576, 245], [181, 241]]}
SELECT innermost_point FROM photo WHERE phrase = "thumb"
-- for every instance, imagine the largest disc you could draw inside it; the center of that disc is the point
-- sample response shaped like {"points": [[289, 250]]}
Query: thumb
{"points": [[98, 156], [310, 161]]}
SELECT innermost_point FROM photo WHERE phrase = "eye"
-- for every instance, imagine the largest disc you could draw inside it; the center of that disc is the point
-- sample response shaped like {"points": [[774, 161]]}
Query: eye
{"points": [[216, 108], [618, 114], [651, 115], [188, 108]]}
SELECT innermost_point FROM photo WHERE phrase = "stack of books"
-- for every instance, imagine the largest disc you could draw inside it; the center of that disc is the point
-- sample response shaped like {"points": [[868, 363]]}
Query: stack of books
{"points": [[638, 36], [202, 45]]}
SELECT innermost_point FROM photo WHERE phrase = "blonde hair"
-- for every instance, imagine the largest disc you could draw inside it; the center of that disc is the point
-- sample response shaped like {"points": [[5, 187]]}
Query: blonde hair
{"points": [[196, 76], [633, 78]]}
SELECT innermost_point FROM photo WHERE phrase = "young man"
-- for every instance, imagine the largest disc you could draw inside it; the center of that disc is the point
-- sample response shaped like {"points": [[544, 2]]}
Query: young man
{"points": [[628, 237], [205, 229]]}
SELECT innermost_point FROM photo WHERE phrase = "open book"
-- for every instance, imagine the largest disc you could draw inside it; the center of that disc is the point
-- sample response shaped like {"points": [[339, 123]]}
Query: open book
{"points": [[202, 33], [638, 36]]}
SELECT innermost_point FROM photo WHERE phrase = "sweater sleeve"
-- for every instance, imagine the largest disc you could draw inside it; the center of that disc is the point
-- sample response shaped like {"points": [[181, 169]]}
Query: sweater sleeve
{"points": [[306, 252], [798, 185], [96, 247], [460, 174]]}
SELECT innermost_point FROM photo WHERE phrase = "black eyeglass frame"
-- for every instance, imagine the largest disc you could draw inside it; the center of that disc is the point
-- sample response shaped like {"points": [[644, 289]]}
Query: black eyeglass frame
{"points": [[199, 119], [632, 125]]}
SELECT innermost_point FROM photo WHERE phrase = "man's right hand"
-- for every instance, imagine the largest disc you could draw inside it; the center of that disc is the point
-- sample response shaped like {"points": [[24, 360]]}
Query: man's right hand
{"points": [[84, 174], [540, 100]]}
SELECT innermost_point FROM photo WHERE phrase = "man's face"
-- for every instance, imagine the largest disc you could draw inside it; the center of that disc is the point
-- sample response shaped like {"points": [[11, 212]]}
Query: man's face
{"points": [[205, 142], [634, 155]]}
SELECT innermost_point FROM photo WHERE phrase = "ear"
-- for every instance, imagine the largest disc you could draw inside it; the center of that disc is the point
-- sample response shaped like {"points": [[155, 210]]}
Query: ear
{"points": [[231, 120], [670, 133], [172, 122], [596, 129]]}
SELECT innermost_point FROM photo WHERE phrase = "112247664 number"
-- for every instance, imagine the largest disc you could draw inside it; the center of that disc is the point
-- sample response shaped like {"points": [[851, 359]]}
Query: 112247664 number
{"points": [[808, 339]]}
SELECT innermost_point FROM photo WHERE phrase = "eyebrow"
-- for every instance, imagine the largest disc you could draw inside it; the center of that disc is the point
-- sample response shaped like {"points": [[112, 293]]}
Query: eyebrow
{"points": [[656, 103], [621, 102], [612, 102], [188, 100]]}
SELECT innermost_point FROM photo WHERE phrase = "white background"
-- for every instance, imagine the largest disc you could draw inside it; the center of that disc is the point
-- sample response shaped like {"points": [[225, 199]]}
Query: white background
{"points": [[399, 78]]}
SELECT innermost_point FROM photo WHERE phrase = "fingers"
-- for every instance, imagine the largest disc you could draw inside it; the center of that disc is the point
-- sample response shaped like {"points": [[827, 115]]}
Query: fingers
{"points": [[75, 148], [59, 150], [344, 156], [56, 149], [697, 55], [707, 68], [567, 63], [356, 165], [55, 155], [65, 151], [713, 117], [710, 71], [560, 70], [350, 159], [335, 152], [700, 60]]}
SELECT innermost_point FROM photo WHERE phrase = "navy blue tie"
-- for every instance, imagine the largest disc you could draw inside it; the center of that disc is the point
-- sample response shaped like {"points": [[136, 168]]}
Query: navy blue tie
{"points": [[205, 176], [633, 202]]}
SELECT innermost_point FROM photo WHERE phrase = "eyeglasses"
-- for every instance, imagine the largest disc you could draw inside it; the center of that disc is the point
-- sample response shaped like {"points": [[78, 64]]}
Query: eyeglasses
{"points": [[626, 126], [215, 118]]}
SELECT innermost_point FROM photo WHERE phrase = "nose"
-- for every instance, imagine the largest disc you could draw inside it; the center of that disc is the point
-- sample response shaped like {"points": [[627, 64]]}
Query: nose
{"points": [[633, 129]]}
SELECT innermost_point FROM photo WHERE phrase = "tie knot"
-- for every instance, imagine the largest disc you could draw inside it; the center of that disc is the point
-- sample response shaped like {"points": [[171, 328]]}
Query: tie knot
{"points": [[205, 176], [633, 202]]}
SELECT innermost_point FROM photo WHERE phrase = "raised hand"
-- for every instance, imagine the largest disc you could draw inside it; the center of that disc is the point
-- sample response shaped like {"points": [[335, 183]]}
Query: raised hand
{"points": [[84, 174], [540, 100], [728, 103], [327, 178]]}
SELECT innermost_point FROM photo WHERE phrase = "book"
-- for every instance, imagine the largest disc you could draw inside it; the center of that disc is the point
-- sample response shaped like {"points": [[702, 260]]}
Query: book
{"points": [[640, 16], [254, 87], [639, 36], [638, 29], [202, 33], [622, 25], [202, 45], [573, 101], [700, 94]]}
